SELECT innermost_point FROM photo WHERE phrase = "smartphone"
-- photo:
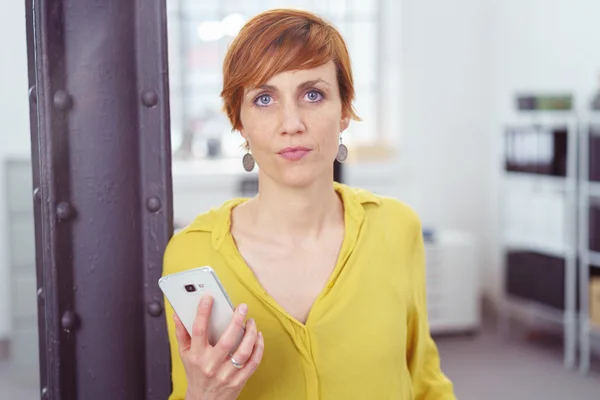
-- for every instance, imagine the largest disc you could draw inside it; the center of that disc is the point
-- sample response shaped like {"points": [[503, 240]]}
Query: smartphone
{"points": [[184, 290]]}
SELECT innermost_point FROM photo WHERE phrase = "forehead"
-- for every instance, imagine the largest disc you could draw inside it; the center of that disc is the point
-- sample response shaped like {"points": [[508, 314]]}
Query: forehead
{"points": [[325, 72]]}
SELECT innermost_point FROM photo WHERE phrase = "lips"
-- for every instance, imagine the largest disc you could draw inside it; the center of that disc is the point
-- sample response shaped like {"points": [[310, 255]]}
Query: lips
{"points": [[294, 153]]}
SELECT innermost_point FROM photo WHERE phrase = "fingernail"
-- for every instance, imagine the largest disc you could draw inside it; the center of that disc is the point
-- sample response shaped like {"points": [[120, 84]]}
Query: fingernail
{"points": [[243, 309], [260, 336], [205, 302], [250, 322]]}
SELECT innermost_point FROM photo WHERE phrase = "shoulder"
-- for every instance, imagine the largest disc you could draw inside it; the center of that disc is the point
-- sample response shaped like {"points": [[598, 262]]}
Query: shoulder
{"points": [[387, 212], [398, 209], [398, 221]]}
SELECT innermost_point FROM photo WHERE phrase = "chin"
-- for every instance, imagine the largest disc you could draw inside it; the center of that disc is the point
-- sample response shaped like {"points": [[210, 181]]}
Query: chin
{"points": [[298, 177], [297, 181]]}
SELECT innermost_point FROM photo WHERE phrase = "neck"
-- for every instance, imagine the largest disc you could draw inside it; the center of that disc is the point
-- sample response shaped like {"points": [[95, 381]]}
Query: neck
{"points": [[296, 213]]}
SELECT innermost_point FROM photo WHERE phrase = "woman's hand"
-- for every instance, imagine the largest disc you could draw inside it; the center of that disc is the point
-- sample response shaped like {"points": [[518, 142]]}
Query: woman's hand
{"points": [[211, 373]]}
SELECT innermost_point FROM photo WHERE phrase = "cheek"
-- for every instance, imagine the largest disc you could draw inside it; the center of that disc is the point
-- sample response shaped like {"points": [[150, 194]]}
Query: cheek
{"points": [[331, 135], [333, 141], [255, 129]]}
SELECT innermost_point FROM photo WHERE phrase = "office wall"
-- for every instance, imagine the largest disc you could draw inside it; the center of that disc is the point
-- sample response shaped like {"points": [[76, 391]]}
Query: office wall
{"points": [[14, 125], [446, 113]]}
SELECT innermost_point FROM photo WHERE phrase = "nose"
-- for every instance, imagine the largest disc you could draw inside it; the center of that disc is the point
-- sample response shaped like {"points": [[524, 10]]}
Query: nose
{"points": [[291, 119]]}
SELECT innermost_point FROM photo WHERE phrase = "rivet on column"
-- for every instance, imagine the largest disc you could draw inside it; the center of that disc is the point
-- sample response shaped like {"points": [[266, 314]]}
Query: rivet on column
{"points": [[64, 211], [69, 320], [155, 309], [62, 100], [150, 98], [154, 204]]}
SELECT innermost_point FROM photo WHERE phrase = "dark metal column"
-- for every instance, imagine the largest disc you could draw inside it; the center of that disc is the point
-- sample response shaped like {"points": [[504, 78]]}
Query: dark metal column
{"points": [[101, 151]]}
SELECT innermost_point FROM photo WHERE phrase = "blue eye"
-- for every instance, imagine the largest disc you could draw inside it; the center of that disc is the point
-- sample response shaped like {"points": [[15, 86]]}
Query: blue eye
{"points": [[263, 100], [314, 96]]}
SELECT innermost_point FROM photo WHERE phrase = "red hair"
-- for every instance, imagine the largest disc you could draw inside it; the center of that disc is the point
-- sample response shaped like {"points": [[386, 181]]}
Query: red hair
{"points": [[282, 40]]}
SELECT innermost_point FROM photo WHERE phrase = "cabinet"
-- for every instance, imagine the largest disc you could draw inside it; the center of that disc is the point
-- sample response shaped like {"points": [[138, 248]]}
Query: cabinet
{"points": [[539, 219], [452, 283]]}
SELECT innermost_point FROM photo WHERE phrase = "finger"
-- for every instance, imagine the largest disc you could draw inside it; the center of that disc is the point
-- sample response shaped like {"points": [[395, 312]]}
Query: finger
{"points": [[184, 341], [231, 337], [252, 364], [201, 324], [244, 351]]}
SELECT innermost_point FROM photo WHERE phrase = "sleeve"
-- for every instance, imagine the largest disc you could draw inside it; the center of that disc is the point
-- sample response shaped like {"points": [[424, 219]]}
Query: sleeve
{"points": [[429, 382], [171, 264]]}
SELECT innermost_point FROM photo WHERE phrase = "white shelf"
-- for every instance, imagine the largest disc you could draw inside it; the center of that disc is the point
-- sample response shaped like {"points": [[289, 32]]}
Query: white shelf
{"points": [[539, 182], [539, 216], [593, 117], [594, 258], [593, 189], [548, 313], [541, 311], [557, 250], [553, 118]]}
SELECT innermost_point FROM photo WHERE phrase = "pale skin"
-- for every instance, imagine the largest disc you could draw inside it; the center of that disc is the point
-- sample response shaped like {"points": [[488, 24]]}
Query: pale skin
{"points": [[291, 233]]}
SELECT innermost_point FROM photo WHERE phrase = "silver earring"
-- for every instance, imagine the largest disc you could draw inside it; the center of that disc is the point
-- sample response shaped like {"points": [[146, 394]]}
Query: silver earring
{"points": [[342, 153], [248, 161]]}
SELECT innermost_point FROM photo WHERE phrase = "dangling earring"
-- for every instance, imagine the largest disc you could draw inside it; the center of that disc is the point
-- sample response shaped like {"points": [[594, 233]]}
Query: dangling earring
{"points": [[248, 160], [342, 153]]}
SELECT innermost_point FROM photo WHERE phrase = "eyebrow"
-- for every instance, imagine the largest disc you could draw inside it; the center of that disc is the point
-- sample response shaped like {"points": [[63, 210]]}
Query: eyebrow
{"points": [[313, 83], [303, 85]]}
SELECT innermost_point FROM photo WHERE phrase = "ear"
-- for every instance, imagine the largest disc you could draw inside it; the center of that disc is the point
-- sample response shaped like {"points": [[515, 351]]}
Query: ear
{"points": [[344, 123]]}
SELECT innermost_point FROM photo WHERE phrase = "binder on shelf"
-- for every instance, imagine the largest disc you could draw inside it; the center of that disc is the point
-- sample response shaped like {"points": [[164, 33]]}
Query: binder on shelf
{"points": [[537, 277], [594, 155], [520, 274], [537, 150], [547, 102], [594, 225], [545, 151]]}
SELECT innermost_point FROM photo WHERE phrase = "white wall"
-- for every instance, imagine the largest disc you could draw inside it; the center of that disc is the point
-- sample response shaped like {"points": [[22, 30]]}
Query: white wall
{"points": [[14, 125], [446, 112], [537, 45]]}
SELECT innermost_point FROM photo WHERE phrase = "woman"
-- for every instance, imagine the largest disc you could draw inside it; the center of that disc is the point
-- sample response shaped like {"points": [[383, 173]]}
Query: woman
{"points": [[329, 279]]}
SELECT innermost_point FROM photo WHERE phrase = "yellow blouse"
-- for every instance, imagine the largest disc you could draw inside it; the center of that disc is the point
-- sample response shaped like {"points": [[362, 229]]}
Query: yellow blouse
{"points": [[367, 335]]}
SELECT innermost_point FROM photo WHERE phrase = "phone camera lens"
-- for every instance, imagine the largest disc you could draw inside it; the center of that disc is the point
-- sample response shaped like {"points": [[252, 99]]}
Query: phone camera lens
{"points": [[190, 288]]}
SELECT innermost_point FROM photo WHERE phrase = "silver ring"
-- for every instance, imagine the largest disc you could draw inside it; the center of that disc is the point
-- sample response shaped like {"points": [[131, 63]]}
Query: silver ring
{"points": [[236, 364]]}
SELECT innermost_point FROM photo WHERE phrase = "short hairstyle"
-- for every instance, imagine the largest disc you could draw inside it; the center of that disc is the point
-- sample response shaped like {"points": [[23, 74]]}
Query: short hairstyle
{"points": [[282, 40]]}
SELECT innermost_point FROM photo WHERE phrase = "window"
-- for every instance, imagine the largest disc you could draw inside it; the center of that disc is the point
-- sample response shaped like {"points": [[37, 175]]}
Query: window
{"points": [[199, 32]]}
